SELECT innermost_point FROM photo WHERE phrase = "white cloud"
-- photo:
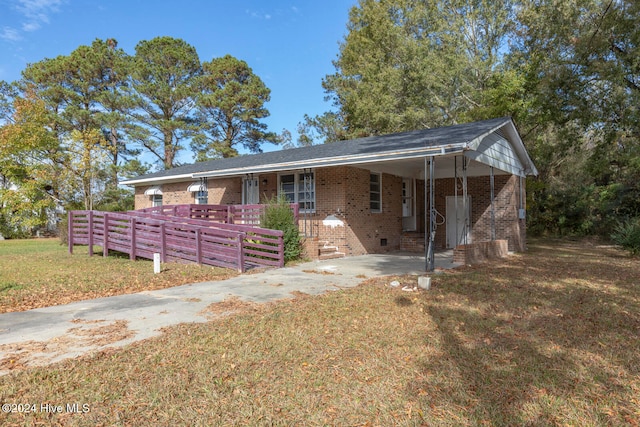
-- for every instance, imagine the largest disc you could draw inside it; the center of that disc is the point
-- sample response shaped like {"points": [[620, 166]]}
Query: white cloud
{"points": [[30, 26], [36, 12], [10, 34]]}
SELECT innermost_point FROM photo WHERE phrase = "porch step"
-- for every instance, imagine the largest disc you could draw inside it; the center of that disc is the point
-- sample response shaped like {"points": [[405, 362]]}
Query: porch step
{"points": [[329, 252]]}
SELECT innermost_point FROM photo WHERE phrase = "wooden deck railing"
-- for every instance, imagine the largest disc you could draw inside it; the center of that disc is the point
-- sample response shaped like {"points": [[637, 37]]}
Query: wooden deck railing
{"points": [[142, 234], [228, 214]]}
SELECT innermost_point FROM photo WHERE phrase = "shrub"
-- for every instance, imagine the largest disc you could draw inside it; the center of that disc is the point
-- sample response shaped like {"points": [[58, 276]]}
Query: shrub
{"points": [[279, 216], [63, 229], [627, 235]]}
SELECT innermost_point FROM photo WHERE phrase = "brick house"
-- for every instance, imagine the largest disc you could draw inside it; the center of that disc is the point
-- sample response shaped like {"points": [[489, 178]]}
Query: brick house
{"points": [[460, 185]]}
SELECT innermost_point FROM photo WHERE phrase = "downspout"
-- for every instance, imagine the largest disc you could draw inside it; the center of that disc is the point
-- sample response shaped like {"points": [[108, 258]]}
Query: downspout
{"points": [[520, 194]]}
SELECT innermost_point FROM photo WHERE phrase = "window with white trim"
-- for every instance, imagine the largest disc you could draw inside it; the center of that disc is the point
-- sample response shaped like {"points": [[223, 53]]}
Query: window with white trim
{"points": [[299, 188], [201, 197], [375, 192], [156, 200]]}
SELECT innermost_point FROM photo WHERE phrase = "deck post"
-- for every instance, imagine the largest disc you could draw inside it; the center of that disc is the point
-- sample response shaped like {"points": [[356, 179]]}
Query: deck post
{"points": [[70, 231], [281, 251], [132, 225], [163, 243], [90, 232], [198, 246], [241, 237], [231, 211], [105, 246]]}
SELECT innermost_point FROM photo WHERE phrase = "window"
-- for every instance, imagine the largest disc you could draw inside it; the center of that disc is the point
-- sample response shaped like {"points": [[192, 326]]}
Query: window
{"points": [[375, 192], [299, 188], [200, 192], [202, 197], [156, 200]]}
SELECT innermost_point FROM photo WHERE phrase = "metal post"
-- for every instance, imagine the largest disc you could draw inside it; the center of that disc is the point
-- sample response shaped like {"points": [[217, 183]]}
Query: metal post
{"points": [[432, 216], [426, 209], [465, 206], [455, 196], [304, 191], [493, 209]]}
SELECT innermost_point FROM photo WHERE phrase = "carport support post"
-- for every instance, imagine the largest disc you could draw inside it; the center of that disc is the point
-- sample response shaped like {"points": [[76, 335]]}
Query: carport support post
{"points": [[493, 209], [430, 258]]}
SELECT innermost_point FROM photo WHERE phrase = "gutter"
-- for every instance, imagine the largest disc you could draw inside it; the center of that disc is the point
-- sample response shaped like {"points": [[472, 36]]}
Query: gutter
{"points": [[338, 161], [167, 178]]}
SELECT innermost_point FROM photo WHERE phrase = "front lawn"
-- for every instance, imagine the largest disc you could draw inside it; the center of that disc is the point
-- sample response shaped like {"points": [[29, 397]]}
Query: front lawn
{"points": [[549, 337], [40, 272]]}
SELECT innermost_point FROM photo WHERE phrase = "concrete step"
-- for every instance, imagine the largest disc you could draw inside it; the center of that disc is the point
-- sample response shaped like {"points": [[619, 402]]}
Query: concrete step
{"points": [[331, 255], [329, 252], [327, 249]]}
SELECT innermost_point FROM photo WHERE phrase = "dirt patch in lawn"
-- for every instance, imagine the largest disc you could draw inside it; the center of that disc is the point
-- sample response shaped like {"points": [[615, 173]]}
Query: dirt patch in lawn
{"points": [[92, 334]]}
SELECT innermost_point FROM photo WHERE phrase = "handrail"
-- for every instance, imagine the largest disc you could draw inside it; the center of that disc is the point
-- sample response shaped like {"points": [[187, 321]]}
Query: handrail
{"points": [[230, 214], [141, 234]]}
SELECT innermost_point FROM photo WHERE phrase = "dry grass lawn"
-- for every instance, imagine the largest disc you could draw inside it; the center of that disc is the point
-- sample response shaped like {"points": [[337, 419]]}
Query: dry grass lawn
{"points": [[40, 273], [549, 337]]}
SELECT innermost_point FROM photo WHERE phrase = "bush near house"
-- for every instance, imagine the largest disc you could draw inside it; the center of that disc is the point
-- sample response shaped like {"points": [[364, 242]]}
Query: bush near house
{"points": [[279, 216]]}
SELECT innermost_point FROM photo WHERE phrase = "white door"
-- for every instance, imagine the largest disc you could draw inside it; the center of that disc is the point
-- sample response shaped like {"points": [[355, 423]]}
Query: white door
{"points": [[250, 192], [456, 221], [408, 203]]}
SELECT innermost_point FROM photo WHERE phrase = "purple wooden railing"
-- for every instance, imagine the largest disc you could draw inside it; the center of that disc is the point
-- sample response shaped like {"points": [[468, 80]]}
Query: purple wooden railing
{"points": [[228, 214], [175, 238]]}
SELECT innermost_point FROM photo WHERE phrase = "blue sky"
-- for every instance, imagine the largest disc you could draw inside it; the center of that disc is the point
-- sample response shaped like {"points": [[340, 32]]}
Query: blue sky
{"points": [[289, 44]]}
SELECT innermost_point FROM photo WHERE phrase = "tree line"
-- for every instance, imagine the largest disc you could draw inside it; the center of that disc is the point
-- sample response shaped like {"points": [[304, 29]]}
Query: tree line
{"points": [[72, 126], [567, 71]]}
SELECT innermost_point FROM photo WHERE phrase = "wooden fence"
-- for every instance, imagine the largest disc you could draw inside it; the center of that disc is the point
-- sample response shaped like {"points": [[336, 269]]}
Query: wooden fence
{"points": [[228, 214], [175, 238]]}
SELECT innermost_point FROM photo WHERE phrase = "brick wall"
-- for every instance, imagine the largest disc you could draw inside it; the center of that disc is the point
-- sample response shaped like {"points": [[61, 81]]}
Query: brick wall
{"points": [[506, 205], [343, 193], [371, 232], [222, 191]]}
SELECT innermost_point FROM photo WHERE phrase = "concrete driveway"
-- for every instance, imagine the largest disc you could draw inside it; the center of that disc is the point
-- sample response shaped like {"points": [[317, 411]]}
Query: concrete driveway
{"points": [[47, 335]]}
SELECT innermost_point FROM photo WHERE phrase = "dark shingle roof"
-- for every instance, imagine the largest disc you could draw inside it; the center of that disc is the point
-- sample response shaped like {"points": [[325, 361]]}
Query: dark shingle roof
{"points": [[375, 145]]}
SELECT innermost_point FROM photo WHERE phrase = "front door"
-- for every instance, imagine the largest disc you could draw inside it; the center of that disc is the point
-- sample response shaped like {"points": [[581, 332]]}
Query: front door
{"points": [[250, 191], [408, 205], [458, 224]]}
